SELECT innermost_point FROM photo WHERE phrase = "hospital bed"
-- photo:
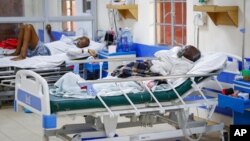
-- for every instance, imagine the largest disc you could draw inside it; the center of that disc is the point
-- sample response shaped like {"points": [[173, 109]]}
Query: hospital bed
{"points": [[50, 67], [8, 74], [101, 114]]}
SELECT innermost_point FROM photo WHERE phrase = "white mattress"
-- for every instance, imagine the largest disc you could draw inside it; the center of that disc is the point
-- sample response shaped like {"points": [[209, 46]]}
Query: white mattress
{"points": [[35, 62]]}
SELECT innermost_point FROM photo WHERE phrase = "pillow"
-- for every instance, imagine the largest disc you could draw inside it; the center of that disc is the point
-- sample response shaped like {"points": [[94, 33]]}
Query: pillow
{"points": [[208, 63]]}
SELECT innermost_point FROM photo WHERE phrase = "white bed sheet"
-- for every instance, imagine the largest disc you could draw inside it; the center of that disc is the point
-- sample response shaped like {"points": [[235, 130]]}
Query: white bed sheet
{"points": [[35, 62]]}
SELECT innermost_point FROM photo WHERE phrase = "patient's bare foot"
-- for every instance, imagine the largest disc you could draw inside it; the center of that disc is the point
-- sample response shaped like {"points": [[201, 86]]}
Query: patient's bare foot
{"points": [[48, 28], [49, 31], [18, 58]]}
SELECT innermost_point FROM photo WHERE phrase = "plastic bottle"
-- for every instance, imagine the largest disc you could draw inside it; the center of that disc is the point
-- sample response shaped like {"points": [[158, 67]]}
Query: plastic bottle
{"points": [[127, 40], [125, 44], [119, 41], [247, 64]]}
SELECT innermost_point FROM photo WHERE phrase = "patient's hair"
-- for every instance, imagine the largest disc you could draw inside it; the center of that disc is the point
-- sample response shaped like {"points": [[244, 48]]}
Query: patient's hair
{"points": [[85, 39], [190, 52]]}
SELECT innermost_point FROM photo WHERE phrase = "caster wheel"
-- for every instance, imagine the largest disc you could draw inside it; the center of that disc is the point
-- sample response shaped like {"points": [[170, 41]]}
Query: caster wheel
{"points": [[225, 136]]}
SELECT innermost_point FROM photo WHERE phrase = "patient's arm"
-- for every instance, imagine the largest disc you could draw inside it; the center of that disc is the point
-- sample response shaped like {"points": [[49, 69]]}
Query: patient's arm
{"points": [[92, 52], [48, 29]]}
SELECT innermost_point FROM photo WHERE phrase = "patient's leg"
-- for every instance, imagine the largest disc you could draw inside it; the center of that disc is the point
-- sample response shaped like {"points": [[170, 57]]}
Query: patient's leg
{"points": [[30, 39], [19, 41]]}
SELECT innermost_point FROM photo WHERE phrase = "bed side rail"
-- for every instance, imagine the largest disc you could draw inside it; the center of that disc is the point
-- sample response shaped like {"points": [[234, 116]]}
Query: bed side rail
{"points": [[32, 92], [160, 106], [145, 78], [72, 62]]}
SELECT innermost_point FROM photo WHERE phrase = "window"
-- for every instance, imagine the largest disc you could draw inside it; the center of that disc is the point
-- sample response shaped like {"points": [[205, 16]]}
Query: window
{"points": [[171, 22], [69, 9]]}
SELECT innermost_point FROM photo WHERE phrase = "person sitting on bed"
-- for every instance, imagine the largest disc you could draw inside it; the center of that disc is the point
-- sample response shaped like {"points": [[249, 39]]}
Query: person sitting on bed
{"points": [[175, 61], [29, 44]]}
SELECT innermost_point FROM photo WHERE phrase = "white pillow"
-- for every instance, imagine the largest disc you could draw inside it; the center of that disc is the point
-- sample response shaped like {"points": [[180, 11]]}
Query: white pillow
{"points": [[208, 63]]}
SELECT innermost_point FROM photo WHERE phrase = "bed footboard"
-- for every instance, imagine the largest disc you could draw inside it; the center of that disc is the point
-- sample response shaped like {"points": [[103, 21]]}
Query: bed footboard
{"points": [[32, 92]]}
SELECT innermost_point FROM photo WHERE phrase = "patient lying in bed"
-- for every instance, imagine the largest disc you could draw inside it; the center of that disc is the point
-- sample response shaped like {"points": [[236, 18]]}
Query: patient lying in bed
{"points": [[29, 44], [175, 61]]}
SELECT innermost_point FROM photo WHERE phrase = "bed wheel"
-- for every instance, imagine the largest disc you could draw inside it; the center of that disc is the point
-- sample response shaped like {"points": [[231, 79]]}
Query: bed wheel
{"points": [[224, 137], [195, 136]]}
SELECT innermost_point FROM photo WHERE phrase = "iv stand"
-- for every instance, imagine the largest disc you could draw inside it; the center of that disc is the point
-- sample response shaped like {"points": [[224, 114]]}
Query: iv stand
{"points": [[243, 30]]}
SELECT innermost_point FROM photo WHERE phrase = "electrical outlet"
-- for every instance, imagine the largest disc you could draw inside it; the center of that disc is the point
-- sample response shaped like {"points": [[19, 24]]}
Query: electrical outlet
{"points": [[200, 18]]}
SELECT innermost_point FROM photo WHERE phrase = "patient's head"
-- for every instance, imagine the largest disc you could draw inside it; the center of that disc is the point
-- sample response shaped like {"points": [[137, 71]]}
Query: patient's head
{"points": [[190, 52], [82, 42]]}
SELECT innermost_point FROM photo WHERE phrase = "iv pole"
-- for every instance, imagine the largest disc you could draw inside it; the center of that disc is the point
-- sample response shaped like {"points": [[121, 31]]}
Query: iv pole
{"points": [[243, 30]]}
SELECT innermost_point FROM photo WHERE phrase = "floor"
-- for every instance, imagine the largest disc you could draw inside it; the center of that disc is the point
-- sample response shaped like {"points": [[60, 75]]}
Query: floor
{"points": [[20, 126]]}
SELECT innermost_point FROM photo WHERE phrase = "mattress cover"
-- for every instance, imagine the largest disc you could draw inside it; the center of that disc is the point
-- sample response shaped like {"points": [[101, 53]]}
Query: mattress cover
{"points": [[60, 104]]}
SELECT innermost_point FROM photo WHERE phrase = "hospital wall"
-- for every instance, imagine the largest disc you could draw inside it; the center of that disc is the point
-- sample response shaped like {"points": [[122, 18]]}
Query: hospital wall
{"points": [[220, 38], [211, 38]]}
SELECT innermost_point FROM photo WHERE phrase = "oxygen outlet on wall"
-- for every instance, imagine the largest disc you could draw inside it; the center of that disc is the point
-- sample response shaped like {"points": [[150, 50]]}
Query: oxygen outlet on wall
{"points": [[199, 19]]}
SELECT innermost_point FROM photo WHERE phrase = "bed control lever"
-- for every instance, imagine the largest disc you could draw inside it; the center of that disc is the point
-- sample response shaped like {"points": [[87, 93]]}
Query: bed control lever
{"points": [[199, 90], [156, 100], [178, 95], [137, 113]]}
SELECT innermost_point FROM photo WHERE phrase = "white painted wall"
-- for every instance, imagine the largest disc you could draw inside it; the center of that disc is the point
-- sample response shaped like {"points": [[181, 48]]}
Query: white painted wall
{"points": [[220, 38], [212, 38], [32, 8]]}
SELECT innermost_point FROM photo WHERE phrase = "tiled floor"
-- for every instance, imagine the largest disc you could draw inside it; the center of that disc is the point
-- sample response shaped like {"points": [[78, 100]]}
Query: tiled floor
{"points": [[20, 126]]}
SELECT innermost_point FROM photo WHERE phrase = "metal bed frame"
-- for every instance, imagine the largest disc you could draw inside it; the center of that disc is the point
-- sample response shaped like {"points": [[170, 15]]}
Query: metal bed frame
{"points": [[103, 122], [8, 75]]}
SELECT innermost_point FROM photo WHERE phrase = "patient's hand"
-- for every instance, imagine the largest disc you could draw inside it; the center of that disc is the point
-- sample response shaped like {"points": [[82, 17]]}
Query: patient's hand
{"points": [[92, 52], [18, 58]]}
